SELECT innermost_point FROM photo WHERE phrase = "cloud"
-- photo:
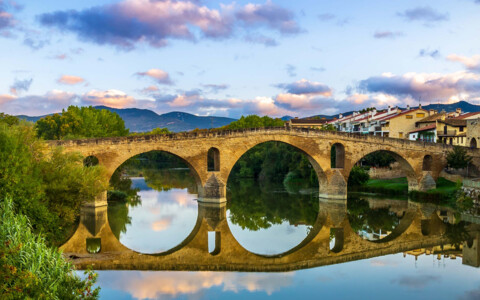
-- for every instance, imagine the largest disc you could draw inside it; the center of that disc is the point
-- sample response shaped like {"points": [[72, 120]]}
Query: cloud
{"points": [[162, 224], [470, 63], [158, 75], [424, 14], [318, 69], [473, 294], [52, 101], [326, 17], [387, 34], [417, 282], [35, 43], [145, 285], [215, 88], [429, 53], [111, 98], [291, 70], [261, 39], [70, 79], [129, 22], [7, 20], [20, 86], [425, 86], [61, 56], [149, 89], [304, 86], [270, 15]]}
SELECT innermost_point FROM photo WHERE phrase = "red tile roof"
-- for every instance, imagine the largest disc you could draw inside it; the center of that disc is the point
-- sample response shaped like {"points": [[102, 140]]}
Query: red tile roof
{"points": [[429, 127], [467, 115], [402, 113]]}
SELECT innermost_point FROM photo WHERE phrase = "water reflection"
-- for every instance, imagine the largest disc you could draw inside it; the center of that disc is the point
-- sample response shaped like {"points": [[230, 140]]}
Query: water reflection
{"points": [[268, 219], [161, 221], [375, 219]]}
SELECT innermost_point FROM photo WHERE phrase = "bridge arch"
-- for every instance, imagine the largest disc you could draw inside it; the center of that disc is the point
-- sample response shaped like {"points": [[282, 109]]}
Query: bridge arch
{"points": [[319, 170], [473, 143], [90, 161], [117, 163], [404, 164]]}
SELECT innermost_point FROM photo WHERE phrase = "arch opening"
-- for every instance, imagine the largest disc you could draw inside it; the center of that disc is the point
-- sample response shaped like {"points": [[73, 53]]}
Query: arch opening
{"points": [[272, 191], [90, 161], [337, 156], [213, 160], [473, 143], [382, 171], [427, 163], [152, 204]]}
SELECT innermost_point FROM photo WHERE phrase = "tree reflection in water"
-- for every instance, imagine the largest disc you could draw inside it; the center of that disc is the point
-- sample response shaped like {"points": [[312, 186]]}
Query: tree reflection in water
{"points": [[256, 207], [371, 224]]}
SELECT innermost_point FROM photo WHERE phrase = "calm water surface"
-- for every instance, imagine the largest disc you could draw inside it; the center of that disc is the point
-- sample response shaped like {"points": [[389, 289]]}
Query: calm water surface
{"points": [[271, 220]]}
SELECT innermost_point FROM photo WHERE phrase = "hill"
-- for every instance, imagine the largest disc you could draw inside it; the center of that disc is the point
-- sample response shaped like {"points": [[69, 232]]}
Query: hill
{"points": [[142, 120]]}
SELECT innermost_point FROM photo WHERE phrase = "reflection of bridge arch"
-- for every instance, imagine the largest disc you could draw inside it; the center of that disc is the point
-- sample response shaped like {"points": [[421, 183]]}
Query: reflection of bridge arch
{"points": [[195, 255]]}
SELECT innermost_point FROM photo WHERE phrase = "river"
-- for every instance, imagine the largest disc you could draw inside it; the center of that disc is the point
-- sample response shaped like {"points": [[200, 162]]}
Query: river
{"points": [[295, 245]]}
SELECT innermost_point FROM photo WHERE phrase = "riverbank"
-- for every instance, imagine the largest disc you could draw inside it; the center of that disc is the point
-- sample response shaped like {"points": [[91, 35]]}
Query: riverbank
{"points": [[444, 192]]}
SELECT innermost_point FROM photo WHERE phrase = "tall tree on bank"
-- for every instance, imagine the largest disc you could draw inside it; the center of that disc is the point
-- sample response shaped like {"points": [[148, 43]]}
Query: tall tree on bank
{"points": [[81, 122]]}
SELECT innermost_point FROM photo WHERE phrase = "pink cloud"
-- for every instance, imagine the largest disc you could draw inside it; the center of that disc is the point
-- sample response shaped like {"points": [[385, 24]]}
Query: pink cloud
{"points": [[111, 98], [471, 63], [158, 75], [70, 79]]}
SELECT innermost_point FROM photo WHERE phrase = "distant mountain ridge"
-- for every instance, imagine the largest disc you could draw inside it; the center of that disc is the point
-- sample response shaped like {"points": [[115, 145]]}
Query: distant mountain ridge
{"points": [[143, 120]]}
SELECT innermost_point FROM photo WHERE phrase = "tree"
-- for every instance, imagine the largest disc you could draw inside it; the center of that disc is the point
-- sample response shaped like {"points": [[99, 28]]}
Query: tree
{"points": [[47, 187], [81, 122], [358, 176], [254, 121], [458, 158]]}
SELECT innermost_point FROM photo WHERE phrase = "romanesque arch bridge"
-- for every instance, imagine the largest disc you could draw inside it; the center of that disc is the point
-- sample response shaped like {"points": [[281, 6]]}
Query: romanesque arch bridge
{"points": [[422, 162]]}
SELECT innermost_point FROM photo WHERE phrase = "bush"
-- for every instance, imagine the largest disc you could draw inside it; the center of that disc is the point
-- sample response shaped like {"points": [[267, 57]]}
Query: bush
{"points": [[30, 269], [358, 176]]}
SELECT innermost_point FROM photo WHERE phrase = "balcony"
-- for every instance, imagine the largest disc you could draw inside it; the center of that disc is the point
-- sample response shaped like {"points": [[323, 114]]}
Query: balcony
{"points": [[448, 133]]}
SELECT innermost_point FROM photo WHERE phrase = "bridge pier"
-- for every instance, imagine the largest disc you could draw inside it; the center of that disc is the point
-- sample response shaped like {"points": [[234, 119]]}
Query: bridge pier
{"points": [[214, 190], [426, 182], [334, 187], [471, 251], [100, 200]]}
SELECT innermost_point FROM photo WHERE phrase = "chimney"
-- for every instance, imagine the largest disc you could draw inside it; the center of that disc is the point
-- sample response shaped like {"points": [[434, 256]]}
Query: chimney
{"points": [[296, 118], [419, 105], [408, 107], [431, 112], [340, 116], [458, 112]]}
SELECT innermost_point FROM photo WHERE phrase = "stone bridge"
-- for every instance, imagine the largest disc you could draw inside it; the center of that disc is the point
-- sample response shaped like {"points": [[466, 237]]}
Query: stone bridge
{"points": [[421, 226], [421, 162]]}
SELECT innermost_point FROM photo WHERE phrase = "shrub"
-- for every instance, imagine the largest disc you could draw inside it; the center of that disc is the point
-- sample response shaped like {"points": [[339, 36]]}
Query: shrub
{"points": [[358, 176], [30, 269]]}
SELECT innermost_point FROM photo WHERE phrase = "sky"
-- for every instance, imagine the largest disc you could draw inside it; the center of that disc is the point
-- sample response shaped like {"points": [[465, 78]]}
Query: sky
{"points": [[233, 58]]}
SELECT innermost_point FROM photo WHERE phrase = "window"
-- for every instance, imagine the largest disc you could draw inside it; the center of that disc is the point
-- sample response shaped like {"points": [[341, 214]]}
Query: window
{"points": [[409, 116], [461, 129], [400, 134], [420, 115], [387, 124]]}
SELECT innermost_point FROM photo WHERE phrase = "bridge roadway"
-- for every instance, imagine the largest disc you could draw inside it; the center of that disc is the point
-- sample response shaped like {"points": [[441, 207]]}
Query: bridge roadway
{"points": [[422, 162], [420, 227]]}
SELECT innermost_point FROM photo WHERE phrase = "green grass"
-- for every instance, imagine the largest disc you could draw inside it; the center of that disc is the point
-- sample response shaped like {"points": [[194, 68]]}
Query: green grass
{"points": [[444, 192]]}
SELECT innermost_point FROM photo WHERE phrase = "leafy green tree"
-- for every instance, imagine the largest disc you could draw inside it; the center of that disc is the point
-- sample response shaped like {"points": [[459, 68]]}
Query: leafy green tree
{"points": [[47, 186], [254, 121], [29, 269], [81, 122], [358, 176], [379, 159], [157, 130], [458, 158]]}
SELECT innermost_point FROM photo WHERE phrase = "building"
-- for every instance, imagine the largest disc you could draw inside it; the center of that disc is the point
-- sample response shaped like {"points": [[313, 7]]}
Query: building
{"points": [[473, 133], [306, 123], [426, 134], [400, 125], [452, 131]]}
